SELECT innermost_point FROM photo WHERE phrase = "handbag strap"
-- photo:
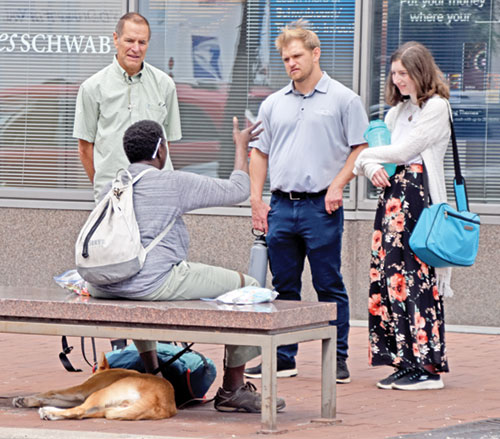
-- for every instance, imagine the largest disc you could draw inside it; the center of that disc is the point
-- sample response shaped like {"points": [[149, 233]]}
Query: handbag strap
{"points": [[460, 190], [426, 187]]}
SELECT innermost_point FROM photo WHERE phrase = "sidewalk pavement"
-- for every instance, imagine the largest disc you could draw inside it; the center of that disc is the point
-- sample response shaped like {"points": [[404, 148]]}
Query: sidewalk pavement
{"points": [[30, 364]]}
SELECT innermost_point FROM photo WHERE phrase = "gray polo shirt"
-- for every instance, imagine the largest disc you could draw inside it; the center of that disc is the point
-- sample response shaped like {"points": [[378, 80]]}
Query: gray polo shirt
{"points": [[110, 101], [308, 138]]}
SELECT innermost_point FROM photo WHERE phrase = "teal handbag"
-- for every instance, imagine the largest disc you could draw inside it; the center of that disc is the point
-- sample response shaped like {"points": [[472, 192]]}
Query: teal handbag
{"points": [[444, 236]]}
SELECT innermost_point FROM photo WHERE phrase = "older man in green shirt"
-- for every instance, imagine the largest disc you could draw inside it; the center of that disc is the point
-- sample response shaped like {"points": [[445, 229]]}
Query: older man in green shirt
{"points": [[126, 91]]}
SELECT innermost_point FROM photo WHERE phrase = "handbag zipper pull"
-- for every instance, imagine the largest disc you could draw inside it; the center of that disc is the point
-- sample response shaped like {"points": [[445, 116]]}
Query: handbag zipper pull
{"points": [[446, 214]]}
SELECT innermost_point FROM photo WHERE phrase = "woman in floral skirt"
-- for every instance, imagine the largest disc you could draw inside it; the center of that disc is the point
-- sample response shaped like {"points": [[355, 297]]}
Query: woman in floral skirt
{"points": [[406, 315]]}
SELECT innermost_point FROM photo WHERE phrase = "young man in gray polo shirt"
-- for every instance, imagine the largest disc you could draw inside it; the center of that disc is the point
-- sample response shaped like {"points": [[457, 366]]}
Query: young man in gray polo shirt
{"points": [[126, 91], [313, 133]]}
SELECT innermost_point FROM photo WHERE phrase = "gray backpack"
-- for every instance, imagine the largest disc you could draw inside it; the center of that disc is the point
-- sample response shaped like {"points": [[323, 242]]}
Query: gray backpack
{"points": [[109, 248]]}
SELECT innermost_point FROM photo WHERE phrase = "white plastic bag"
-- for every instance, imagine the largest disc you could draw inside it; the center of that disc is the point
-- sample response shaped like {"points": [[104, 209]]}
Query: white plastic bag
{"points": [[247, 295]]}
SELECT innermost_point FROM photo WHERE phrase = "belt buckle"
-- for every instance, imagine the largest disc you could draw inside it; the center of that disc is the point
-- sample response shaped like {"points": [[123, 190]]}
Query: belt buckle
{"points": [[292, 198]]}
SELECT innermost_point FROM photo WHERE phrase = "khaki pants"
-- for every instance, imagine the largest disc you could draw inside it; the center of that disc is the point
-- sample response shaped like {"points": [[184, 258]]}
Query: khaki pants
{"points": [[191, 281]]}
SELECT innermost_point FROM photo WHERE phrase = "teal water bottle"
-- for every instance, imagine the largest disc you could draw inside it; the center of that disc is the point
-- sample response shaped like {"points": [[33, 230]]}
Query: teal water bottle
{"points": [[377, 134]]}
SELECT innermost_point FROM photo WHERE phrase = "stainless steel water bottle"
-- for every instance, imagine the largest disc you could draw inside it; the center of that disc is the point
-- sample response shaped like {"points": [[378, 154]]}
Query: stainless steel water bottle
{"points": [[258, 258]]}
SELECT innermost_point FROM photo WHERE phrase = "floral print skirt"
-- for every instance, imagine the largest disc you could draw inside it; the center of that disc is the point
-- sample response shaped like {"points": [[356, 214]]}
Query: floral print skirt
{"points": [[406, 315]]}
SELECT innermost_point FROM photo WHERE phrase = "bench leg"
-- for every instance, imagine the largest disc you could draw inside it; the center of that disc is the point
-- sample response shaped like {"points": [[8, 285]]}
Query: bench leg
{"points": [[328, 375], [269, 385]]}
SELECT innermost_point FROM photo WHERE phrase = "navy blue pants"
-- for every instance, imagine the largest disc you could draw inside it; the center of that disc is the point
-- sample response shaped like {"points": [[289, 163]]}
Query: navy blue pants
{"points": [[300, 228]]}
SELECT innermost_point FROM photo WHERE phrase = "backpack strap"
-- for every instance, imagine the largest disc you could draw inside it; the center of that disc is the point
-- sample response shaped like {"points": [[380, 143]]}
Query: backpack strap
{"points": [[63, 356], [127, 173], [158, 238], [94, 353], [155, 241], [174, 358], [164, 371], [141, 174], [66, 349]]}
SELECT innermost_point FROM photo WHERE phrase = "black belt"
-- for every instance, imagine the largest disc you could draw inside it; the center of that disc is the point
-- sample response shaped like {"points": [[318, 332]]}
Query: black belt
{"points": [[299, 195]]}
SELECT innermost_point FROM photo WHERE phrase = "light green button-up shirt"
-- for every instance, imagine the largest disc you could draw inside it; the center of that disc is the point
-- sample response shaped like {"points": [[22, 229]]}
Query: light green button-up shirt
{"points": [[110, 101]]}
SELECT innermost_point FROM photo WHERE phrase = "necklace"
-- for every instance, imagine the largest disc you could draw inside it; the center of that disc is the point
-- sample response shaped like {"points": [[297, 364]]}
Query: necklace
{"points": [[413, 112], [413, 108]]}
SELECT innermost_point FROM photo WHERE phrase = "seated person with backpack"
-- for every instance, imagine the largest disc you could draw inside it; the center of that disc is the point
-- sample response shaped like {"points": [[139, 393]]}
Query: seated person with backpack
{"points": [[160, 198]]}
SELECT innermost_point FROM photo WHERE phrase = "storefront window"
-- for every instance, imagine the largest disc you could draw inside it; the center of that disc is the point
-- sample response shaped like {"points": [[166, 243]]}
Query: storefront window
{"points": [[46, 50], [221, 55], [463, 36]]}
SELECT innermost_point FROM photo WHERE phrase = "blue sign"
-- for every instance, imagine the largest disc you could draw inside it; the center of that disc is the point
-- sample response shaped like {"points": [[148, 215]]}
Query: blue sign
{"points": [[206, 57]]}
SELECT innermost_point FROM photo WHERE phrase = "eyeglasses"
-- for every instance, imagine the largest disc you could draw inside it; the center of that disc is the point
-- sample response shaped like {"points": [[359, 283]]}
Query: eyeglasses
{"points": [[157, 148]]}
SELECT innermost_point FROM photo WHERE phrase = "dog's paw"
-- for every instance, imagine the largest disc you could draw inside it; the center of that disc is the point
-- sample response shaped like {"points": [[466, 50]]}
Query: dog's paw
{"points": [[49, 413], [19, 402]]}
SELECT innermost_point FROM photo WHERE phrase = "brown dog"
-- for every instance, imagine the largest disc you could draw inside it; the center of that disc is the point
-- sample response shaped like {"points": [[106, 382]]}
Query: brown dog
{"points": [[109, 393]]}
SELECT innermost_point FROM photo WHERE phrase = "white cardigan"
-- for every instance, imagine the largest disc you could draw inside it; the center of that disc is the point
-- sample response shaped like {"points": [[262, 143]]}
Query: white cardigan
{"points": [[429, 138]]}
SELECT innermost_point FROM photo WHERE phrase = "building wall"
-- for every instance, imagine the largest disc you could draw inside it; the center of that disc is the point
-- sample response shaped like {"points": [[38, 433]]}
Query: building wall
{"points": [[37, 244]]}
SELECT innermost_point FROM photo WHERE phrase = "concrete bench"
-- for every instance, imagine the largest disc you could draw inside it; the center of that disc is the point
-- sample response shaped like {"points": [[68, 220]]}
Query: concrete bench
{"points": [[52, 311]]}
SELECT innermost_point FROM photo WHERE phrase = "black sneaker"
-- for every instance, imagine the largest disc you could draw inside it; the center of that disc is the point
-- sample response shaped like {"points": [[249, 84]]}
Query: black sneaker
{"points": [[282, 371], [343, 376], [387, 383], [244, 399], [419, 379]]}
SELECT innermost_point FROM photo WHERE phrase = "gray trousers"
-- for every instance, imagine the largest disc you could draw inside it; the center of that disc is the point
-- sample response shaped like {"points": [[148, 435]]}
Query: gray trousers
{"points": [[191, 281]]}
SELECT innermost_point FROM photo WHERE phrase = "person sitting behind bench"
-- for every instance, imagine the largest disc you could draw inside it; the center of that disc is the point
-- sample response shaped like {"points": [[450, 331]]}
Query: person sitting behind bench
{"points": [[160, 197]]}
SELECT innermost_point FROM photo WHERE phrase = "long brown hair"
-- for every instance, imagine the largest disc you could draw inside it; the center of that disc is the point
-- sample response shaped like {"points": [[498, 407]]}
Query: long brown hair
{"points": [[422, 69]]}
